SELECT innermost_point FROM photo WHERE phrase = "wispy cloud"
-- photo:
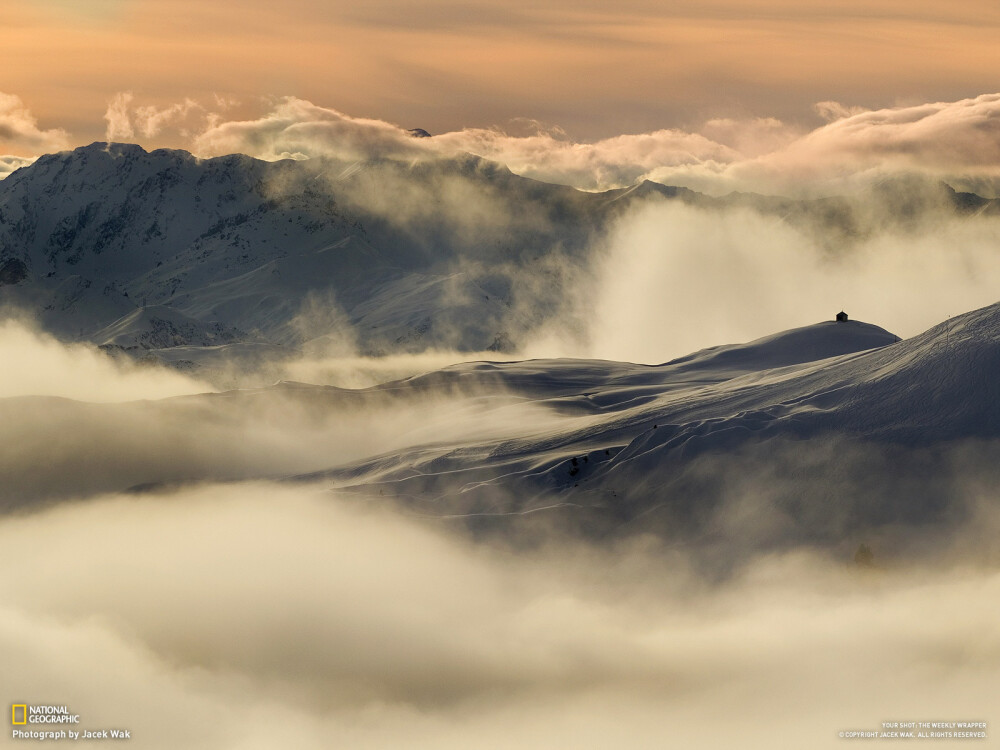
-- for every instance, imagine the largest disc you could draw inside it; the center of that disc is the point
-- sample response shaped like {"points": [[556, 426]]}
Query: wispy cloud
{"points": [[119, 118], [126, 122], [942, 138], [717, 277], [949, 140], [959, 138], [19, 130], [36, 364]]}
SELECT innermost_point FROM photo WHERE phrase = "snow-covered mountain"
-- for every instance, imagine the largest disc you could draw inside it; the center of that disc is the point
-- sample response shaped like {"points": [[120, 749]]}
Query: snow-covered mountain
{"points": [[826, 431], [148, 251], [238, 245], [832, 430]]}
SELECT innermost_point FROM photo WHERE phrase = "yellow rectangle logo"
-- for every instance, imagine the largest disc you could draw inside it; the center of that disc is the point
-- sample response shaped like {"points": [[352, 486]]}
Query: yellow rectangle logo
{"points": [[24, 713]]}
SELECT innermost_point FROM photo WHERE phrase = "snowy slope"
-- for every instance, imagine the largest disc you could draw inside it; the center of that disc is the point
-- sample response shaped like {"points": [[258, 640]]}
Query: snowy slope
{"points": [[91, 235], [630, 436], [156, 327], [457, 253], [816, 433]]}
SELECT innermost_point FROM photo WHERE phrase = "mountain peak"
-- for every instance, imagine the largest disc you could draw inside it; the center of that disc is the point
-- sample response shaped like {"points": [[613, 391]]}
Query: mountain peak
{"points": [[795, 346], [115, 148]]}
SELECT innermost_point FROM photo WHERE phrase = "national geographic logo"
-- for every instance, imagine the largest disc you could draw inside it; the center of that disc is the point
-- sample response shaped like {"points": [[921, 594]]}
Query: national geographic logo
{"points": [[25, 713]]}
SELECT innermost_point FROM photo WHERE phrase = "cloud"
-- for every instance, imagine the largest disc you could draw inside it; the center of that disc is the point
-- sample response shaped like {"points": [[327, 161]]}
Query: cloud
{"points": [[831, 111], [19, 130], [10, 164], [672, 279], [124, 429], [36, 364], [126, 122], [257, 615], [609, 163], [151, 120], [758, 154], [943, 138], [119, 119], [295, 127], [949, 140], [750, 138]]}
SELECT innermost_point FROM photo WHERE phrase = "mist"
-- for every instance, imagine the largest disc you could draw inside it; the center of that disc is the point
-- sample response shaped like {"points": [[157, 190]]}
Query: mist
{"points": [[38, 364], [236, 614], [254, 615], [58, 448], [697, 278]]}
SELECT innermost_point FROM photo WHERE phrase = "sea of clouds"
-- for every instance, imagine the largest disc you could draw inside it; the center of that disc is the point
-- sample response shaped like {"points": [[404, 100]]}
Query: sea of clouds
{"points": [[219, 607]]}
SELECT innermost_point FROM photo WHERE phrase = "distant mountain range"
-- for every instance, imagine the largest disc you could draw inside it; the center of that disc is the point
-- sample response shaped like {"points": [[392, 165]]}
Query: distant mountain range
{"points": [[145, 252]]}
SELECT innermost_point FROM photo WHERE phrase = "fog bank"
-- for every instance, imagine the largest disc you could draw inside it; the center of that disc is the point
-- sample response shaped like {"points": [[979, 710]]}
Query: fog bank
{"points": [[252, 616]]}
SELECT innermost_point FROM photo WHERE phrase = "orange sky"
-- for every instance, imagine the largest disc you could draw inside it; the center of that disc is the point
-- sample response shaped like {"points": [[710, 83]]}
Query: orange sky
{"points": [[594, 68]]}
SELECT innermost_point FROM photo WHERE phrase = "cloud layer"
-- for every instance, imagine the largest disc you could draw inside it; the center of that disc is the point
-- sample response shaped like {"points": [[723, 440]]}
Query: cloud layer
{"points": [[945, 139], [252, 616], [36, 364], [955, 140], [260, 614]]}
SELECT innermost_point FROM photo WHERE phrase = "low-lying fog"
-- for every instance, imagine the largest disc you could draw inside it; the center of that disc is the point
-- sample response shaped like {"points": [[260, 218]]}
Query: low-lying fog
{"points": [[261, 616]]}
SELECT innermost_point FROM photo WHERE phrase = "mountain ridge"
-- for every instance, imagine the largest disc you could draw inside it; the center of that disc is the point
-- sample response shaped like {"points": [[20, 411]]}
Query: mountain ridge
{"points": [[456, 253]]}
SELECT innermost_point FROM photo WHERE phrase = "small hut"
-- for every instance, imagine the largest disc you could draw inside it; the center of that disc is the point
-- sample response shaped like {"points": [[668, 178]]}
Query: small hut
{"points": [[841, 317], [864, 558]]}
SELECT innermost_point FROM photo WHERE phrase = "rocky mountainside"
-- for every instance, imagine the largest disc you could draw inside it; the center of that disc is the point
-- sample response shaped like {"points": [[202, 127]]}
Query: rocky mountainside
{"points": [[149, 251], [238, 246]]}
